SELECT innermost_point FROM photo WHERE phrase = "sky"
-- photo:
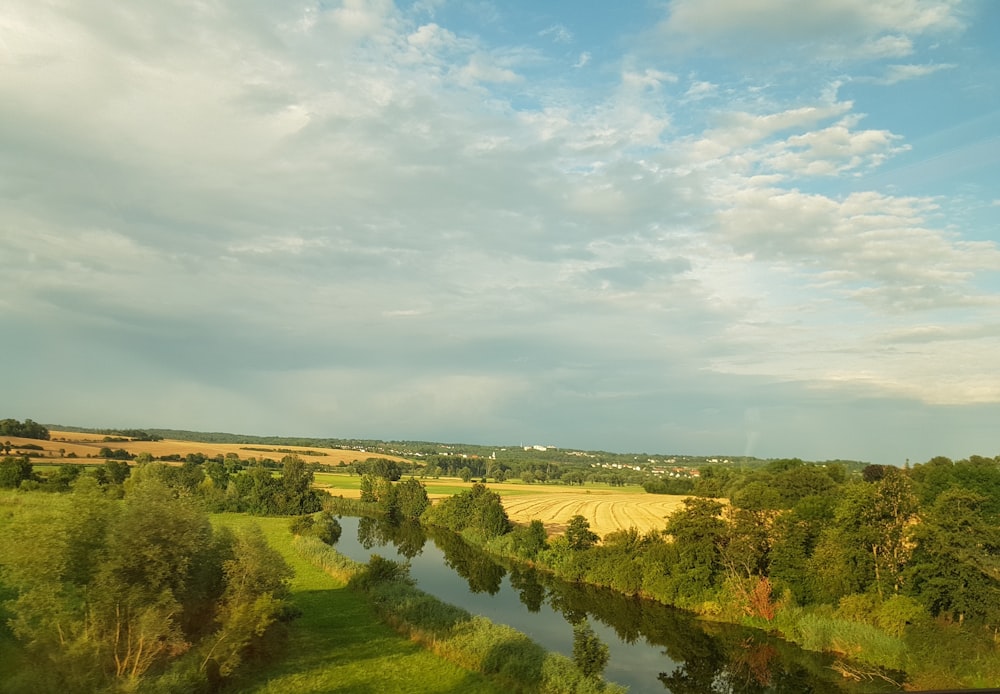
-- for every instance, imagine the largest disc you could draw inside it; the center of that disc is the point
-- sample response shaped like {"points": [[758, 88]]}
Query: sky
{"points": [[744, 227]]}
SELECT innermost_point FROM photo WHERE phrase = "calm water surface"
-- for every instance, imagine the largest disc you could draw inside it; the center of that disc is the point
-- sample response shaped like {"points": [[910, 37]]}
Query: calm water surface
{"points": [[653, 648]]}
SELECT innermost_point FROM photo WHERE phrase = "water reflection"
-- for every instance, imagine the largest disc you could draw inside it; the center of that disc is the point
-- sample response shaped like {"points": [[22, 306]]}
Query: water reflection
{"points": [[482, 572], [652, 647], [408, 538]]}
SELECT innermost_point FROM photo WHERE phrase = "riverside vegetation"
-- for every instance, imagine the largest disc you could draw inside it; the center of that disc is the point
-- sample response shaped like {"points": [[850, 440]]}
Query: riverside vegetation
{"points": [[897, 570]]}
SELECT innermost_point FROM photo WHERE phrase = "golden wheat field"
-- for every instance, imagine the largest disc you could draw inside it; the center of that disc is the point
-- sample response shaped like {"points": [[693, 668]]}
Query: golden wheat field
{"points": [[606, 512], [63, 443]]}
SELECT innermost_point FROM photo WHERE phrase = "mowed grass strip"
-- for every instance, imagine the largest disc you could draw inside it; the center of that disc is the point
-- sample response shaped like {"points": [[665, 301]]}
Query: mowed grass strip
{"points": [[338, 643]]}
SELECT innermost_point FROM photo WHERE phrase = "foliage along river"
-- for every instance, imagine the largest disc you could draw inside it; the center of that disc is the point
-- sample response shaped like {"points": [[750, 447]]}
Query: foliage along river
{"points": [[653, 648]]}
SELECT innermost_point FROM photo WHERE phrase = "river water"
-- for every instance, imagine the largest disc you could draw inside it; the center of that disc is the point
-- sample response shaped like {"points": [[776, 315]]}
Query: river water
{"points": [[652, 647]]}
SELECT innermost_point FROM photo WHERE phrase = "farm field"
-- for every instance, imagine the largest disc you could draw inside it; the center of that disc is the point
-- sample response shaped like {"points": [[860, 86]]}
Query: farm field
{"points": [[554, 505], [607, 512], [83, 445]]}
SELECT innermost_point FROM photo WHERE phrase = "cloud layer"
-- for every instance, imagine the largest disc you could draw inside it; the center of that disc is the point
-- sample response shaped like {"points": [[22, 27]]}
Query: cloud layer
{"points": [[364, 219]]}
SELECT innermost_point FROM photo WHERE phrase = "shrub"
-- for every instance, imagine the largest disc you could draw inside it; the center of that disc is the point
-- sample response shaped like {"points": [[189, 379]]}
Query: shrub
{"points": [[380, 570]]}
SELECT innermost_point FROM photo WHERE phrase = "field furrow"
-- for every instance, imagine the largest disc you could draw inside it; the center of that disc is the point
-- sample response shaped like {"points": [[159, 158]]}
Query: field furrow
{"points": [[605, 512]]}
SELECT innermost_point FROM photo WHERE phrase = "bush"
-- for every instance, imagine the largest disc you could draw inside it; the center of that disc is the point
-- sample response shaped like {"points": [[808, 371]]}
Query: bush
{"points": [[380, 570]]}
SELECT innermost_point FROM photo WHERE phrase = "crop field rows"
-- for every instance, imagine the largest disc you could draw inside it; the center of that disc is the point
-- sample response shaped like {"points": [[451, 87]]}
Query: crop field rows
{"points": [[84, 445], [606, 512]]}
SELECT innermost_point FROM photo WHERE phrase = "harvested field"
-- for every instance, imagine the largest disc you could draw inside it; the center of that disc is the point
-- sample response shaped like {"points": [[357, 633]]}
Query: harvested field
{"points": [[84, 445], [606, 512]]}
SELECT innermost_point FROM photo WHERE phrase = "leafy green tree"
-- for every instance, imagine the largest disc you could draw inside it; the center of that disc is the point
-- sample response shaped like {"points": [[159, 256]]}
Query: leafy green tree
{"points": [[955, 568], [477, 509], [63, 477], [117, 471], [375, 489], [409, 499], [579, 535], [256, 584], [296, 495], [795, 535], [27, 430], [13, 471], [531, 539], [698, 534], [381, 467]]}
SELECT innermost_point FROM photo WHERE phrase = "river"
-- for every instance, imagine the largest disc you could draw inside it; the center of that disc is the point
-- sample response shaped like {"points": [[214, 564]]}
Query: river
{"points": [[652, 647]]}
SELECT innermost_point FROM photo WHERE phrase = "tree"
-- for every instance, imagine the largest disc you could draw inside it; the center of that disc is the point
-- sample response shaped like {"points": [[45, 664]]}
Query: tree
{"points": [[27, 430], [256, 583], [296, 495], [13, 471], [381, 467], [530, 540], [955, 568], [478, 509], [579, 535], [117, 471], [698, 533], [409, 499]]}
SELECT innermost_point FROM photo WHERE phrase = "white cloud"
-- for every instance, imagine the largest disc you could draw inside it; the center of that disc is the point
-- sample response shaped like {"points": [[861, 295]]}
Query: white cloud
{"points": [[843, 29], [482, 68], [901, 73], [873, 248], [740, 129], [833, 150], [558, 32], [582, 60], [648, 79], [701, 90]]}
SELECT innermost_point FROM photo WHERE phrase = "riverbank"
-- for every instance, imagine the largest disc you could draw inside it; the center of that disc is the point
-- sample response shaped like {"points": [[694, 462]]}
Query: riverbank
{"points": [[338, 643], [506, 656], [359, 632], [889, 642]]}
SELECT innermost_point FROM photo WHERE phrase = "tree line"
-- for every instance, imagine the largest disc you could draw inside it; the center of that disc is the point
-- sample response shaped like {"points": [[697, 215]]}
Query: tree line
{"points": [[26, 429]]}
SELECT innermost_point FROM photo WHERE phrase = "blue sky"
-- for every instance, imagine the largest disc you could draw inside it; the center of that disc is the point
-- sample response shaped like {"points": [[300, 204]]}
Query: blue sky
{"points": [[757, 227]]}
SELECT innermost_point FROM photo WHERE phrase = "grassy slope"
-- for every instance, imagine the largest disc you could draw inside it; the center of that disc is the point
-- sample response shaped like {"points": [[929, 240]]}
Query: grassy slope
{"points": [[339, 645]]}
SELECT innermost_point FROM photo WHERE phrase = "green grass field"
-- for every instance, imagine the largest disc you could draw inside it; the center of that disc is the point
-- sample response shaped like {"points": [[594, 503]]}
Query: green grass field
{"points": [[338, 644]]}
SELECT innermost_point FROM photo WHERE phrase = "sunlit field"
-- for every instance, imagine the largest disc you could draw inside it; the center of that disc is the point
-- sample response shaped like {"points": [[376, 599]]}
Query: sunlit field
{"points": [[82, 445], [607, 512], [607, 508]]}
